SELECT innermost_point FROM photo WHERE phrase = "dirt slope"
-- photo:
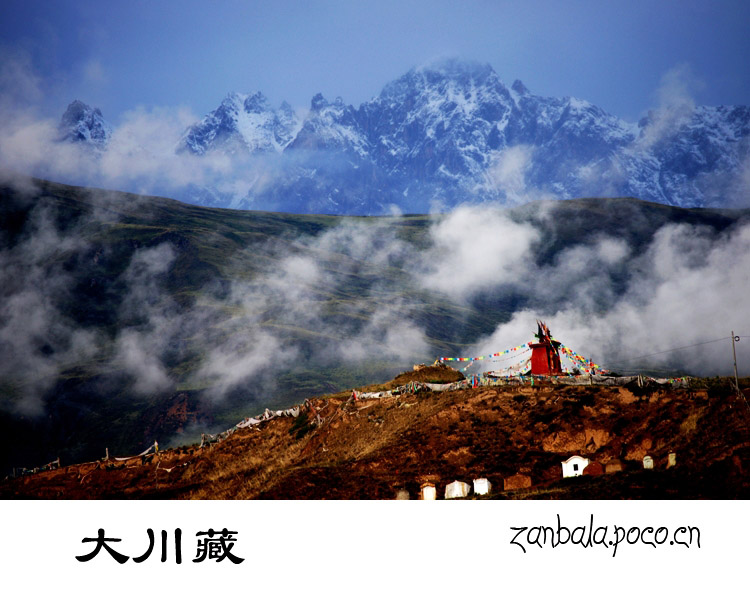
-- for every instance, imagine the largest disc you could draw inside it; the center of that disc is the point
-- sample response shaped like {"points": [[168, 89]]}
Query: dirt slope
{"points": [[342, 448]]}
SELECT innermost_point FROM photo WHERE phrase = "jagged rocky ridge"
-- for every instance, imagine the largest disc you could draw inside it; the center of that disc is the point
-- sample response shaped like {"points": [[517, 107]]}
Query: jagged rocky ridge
{"points": [[81, 123], [453, 132], [243, 123]]}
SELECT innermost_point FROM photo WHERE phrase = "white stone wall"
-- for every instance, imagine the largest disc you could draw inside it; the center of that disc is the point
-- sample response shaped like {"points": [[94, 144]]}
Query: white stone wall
{"points": [[574, 466], [429, 492], [482, 486], [457, 489]]}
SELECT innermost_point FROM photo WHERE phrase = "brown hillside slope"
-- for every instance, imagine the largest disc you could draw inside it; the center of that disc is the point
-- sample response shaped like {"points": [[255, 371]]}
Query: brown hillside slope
{"points": [[341, 448]]}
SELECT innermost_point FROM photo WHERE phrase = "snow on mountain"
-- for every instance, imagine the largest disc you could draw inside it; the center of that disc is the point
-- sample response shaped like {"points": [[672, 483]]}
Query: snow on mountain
{"points": [[81, 123], [328, 168], [452, 132], [331, 126], [438, 122], [691, 157], [243, 123]]}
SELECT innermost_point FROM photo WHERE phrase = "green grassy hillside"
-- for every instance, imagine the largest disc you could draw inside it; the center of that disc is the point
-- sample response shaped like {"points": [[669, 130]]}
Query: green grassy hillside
{"points": [[114, 305]]}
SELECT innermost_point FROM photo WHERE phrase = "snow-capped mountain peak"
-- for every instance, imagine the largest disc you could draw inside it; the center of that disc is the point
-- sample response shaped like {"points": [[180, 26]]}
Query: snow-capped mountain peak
{"points": [[81, 123], [256, 103], [242, 124], [519, 88], [331, 126], [452, 132]]}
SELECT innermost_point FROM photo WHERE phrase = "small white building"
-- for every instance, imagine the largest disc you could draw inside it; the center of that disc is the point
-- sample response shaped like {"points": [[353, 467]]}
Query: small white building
{"points": [[648, 462], [574, 466], [482, 486], [428, 492], [457, 489]]}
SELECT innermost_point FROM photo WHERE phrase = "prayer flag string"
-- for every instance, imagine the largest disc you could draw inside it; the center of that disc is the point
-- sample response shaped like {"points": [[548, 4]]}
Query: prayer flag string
{"points": [[485, 357], [585, 364]]}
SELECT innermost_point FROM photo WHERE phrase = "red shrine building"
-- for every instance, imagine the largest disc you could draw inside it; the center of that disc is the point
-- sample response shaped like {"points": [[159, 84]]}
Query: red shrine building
{"points": [[545, 355]]}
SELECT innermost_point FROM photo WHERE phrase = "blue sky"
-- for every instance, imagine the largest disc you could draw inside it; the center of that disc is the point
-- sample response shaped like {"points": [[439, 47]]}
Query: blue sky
{"points": [[118, 55]]}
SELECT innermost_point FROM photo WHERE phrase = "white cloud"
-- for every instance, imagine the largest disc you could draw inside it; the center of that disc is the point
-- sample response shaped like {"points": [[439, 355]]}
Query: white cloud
{"points": [[150, 320], [142, 150], [136, 354], [684, 290], [321, 300], [675, 106], [475, 248], [36, 337], [245, 355], [507, 173]]}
